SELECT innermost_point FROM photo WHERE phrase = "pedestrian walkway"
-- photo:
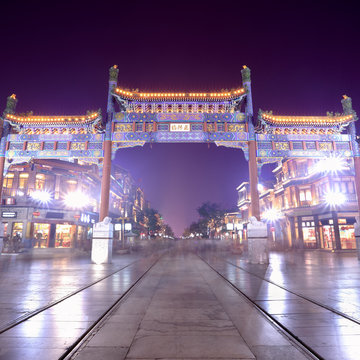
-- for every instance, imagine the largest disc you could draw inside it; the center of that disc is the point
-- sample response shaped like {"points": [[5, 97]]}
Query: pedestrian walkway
{"points": [[182, 309]]}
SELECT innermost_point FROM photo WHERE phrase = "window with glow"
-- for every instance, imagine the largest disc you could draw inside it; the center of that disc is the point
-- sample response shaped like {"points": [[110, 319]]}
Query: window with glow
{"points": [[8, 181], [40, 182], [71, 185], [343, 187], [351, 187], [302, 195], [23, 180]]}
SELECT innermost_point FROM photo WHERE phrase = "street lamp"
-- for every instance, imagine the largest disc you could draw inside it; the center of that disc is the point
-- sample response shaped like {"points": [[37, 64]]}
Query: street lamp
{"points": [[42, 196], [331, 164], [271, 215], [333, 198], [76, 200]]}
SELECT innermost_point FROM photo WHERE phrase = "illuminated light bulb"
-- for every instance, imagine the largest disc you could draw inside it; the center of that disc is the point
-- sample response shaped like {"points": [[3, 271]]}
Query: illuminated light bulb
{"points": [[41, 196], [333, 198], [271, 215]]}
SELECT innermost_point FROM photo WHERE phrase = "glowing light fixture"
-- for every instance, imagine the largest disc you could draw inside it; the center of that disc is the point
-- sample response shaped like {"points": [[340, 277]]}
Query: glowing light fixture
{"points": [[260, 187], [41, 196], [271, 215], [76, 200], [333, 198], [331, 164]]}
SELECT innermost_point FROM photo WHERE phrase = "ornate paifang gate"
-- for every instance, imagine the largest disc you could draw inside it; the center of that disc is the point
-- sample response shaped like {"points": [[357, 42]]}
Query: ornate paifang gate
{"points": [[135, 118]]}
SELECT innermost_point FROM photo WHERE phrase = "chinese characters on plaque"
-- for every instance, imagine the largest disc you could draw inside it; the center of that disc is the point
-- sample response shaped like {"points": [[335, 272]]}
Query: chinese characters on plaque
{"points": [[179, 127]]}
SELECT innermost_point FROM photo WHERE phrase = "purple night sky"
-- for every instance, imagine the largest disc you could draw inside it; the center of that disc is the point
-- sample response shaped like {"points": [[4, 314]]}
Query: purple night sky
{"points": [[303, 55]]}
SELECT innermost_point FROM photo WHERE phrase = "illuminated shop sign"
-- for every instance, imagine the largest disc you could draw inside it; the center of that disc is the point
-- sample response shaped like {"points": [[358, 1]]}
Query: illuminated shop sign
{"points": [[127, 227], [229, 226], [8, 214], [85, 218]]}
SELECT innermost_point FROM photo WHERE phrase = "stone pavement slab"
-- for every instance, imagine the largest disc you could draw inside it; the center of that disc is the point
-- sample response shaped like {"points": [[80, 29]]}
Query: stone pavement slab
{"points": [[188, 312]]}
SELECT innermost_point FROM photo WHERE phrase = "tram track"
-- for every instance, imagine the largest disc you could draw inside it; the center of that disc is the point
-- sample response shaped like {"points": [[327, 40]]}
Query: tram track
{"points": [[284, 329]]}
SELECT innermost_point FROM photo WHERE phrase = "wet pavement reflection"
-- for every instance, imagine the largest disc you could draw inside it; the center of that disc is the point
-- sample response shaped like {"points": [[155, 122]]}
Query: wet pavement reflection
{"points": [[331, 279], [57, 327]]}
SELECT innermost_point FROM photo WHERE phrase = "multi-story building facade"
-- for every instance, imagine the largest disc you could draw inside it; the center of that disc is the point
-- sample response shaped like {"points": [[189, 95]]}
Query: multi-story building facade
{"points": [[312, 205], [50, 203], [53, 203]]}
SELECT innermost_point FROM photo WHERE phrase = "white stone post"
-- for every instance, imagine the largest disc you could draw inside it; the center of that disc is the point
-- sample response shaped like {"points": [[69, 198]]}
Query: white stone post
{"points": [[257, 242], [102, 242]]}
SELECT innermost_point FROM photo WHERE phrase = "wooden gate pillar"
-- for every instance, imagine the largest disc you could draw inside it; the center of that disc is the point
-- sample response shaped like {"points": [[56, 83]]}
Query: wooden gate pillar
{"points": [[106, 174], [357, 178]]}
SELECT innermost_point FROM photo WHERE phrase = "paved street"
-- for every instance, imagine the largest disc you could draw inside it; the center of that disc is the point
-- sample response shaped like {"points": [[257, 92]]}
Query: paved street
{"points": [[182, 308]]}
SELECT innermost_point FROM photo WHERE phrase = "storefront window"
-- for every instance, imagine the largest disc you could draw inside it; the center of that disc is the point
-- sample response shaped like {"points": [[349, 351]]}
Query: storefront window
{"points": [[309, 237], [4, 229], [347, 235], [328, 236], [41, 235], [17, 229], [64, 235]]}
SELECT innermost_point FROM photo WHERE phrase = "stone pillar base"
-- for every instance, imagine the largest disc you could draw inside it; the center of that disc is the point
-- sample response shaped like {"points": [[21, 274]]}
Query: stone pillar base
{"points": [[258, 250], [358, 246], [101, 250]]}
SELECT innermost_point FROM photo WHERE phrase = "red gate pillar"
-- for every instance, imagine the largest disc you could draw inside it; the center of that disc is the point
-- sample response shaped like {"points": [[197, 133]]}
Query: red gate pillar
{"points": [[357, 178], [346, 103], [105, 181], [253, 170], [2, 165], [4, 130], [253, 178]]}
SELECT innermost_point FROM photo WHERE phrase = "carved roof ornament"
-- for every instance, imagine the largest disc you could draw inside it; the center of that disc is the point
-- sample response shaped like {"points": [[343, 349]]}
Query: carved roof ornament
{"points": [[113, 73], [10, 105], [346, 103], [246, 74]]}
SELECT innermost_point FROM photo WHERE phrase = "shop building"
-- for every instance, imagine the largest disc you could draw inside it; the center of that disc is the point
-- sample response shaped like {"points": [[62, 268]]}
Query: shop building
{"points": [[317, 203], [312, 204], [54, 203], [50, 203]]}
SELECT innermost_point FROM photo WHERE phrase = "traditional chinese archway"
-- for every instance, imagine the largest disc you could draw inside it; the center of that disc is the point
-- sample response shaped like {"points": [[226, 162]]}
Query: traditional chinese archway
{"points": [[135, 118]]}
